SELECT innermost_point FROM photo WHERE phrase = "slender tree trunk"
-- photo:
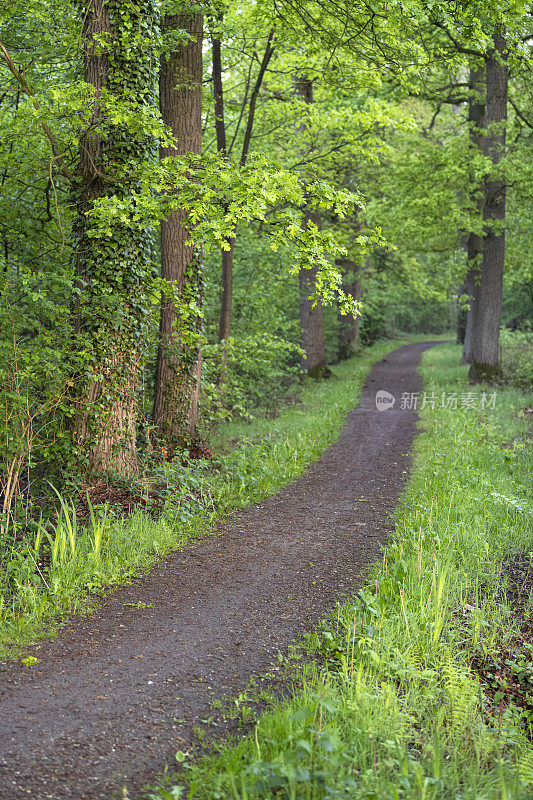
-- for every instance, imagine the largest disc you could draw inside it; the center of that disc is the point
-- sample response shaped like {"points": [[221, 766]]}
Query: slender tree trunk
{"points": [[486, 332], [461, 318], [175, 411], [311, 316], [474, 245], [111, 269], [226, 305], [349, 323]]}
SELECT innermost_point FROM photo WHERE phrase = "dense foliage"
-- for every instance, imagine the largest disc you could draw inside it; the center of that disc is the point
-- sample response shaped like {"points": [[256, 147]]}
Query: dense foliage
{"points": [[339, 177]]}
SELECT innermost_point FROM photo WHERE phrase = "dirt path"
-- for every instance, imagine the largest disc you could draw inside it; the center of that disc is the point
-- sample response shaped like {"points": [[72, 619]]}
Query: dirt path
{"points": [[99, 709]]}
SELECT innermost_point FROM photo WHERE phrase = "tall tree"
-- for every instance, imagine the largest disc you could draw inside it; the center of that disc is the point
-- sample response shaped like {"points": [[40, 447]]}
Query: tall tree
{"points": [[311, 316], [112, 267], [487, 318], [474, 246], [348, 343], [250, 100], [175, 411]]}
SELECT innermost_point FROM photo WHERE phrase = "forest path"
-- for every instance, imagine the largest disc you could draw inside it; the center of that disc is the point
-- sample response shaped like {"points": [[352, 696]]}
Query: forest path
{"points": [[99, 710]]}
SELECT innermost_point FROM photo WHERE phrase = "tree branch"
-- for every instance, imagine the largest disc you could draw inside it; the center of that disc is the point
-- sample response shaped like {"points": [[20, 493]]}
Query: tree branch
{"points": [[253, 99], [460, 49], [520, 115], [46, 128]]}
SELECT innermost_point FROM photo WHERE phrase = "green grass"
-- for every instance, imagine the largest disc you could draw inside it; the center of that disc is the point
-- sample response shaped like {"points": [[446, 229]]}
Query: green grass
{"points": [[67, 564], [389, 706]]}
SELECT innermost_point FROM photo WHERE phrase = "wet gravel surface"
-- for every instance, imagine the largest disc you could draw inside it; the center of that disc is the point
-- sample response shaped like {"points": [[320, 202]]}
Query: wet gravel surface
{"points": [[99, 710]]}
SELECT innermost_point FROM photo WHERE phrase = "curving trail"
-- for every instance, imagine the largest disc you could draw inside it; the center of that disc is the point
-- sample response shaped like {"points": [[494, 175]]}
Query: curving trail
{"points": [[99, 710]]}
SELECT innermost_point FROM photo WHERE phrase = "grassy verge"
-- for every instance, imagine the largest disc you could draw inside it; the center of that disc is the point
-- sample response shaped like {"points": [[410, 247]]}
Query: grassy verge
{"points": [[68, 563], [391, 705]]}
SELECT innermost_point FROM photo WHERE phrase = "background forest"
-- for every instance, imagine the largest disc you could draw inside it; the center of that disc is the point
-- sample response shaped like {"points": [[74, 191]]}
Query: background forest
{"points": [[204, 203]]}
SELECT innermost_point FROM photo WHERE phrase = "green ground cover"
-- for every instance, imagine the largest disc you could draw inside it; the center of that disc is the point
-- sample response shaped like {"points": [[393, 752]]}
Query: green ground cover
{"points": [[422, 687]]}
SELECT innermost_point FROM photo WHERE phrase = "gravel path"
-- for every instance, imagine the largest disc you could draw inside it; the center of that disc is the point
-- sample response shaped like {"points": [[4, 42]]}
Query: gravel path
{"points": [[99, 710]]}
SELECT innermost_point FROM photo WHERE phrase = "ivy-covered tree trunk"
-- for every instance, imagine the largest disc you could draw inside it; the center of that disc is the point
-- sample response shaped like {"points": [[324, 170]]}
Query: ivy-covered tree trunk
{"points": [[487, 318], [474, 246], [349, 323], [175, 412], [112, 267], [311, 317]]}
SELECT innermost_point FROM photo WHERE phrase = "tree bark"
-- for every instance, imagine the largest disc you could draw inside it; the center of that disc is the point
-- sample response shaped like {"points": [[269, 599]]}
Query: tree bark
{"points": [[175, 411], [349, 323], [486, 332], [111, 269], [311, 316], [474, 246]]}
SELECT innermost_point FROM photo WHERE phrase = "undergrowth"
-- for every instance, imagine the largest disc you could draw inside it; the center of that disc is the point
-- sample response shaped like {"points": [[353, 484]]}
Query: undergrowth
{"points": [[66, 562], [516, 356], [393, 703]]}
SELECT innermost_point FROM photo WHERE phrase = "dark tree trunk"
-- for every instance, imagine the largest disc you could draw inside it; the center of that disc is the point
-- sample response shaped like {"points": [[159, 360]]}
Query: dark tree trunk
{"points": [[175, 412], [226, 301], [349, 323], [487, 318], [474, 246], [311, 317], [111, 270], [226, 305]]}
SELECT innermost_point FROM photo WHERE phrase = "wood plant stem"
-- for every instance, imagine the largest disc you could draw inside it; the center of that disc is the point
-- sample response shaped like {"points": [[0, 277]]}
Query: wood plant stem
{"points": [[474, 245], [311, 317], [175, 411], [486, 331], [226, 305]]}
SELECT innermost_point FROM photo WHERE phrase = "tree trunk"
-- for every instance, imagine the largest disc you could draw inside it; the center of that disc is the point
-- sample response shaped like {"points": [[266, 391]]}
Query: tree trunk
{"points": [[311, 323], [349, 323], [311, 317], [312, 328], [226, 305], [224, 325], [486, 333], [112, 268], [471, 288], [474, 246], [461, 318], [175, 412]]}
